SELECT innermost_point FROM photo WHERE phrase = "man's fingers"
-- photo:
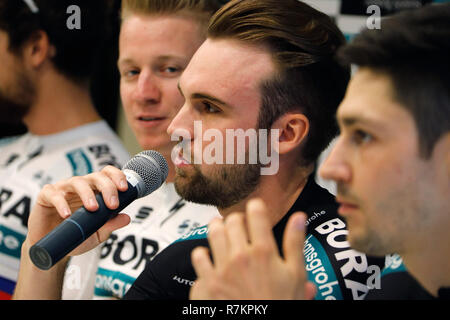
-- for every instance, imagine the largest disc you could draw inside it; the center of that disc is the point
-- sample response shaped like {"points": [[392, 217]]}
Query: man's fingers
{"points": [[117, 176], [201, 262], [236, 233], [218, 242], [293, 242], [50, 196], [259, 225], [84, 189], [107, 187], [310, 291]]}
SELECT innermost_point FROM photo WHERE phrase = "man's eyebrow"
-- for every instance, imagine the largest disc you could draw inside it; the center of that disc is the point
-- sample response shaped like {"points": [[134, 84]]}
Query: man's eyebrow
{"points": [[351, 120], [210, 98], [124, 61], [127, 62], [347, 121], [204, 96], [159, 59]]}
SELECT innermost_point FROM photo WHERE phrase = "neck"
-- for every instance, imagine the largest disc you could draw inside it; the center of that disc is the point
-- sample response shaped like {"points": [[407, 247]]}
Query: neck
{"points": [[430, 264], [281, 189], [60, 105]]}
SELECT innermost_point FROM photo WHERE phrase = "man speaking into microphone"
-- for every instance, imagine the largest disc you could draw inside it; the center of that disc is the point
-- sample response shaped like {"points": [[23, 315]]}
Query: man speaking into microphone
{"points": [[266, 64]]}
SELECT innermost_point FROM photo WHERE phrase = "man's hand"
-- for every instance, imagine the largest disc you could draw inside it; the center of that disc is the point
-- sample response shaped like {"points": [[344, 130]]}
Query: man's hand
{"points": [[58, 201], [247, 264], [55, 203]]}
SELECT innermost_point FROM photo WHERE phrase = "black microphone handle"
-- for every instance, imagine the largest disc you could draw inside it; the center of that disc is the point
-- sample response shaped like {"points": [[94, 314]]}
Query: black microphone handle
{"points": [[75, 229]]}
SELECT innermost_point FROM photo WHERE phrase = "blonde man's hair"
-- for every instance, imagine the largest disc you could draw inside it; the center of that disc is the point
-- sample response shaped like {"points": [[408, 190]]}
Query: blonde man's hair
{"points": [[201, 9]]}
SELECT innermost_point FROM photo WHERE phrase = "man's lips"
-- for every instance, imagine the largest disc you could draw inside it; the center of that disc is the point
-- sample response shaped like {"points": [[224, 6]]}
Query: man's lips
{"points": [[179, 160], [346, 206], [150, 121], [150, 118]]}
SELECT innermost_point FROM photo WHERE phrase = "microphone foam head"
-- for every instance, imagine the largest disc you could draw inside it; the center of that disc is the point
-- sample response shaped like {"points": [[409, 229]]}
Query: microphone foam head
{"points": [[151, 167]]}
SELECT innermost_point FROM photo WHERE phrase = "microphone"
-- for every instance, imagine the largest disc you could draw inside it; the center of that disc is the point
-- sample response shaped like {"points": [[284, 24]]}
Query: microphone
{"points": [[145, 173]]}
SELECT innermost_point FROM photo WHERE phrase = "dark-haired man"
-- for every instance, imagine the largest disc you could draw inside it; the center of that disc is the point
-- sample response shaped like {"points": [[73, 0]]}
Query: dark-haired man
{"points": [[44, 82], [265, 66], [392, 160]]}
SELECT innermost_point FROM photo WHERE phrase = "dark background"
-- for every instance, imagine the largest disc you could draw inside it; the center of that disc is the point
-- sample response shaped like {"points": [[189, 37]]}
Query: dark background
{"points": [[105, 82]]}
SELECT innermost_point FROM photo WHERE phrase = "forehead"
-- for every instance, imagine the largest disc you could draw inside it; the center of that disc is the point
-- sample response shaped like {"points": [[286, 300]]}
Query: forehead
{"points": [[229, 70], [168, 35], [370, 100]]}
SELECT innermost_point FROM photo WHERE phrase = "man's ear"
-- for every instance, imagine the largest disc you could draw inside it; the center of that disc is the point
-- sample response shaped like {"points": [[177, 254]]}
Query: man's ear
{"points": [[446, 148], [294, 128], [38, 49], [439, 160]]}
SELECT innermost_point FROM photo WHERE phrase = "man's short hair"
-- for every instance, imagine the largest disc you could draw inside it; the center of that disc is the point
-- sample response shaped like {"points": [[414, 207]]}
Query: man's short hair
{"points": [[76, 49], [203, 9], [303, 42], [413, 50]]}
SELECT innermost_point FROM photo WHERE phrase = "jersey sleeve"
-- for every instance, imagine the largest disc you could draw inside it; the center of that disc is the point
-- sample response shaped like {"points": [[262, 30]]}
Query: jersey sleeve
{"points": [[170, 275], [158, 281], [146, 286]]}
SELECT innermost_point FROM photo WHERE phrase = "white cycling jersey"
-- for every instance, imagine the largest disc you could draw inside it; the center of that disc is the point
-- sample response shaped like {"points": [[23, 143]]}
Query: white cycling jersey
{"points": [[157, 220], [28, 162]]}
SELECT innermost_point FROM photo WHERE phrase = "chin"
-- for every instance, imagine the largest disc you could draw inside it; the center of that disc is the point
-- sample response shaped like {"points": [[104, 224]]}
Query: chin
{"points": [[368, 243]]}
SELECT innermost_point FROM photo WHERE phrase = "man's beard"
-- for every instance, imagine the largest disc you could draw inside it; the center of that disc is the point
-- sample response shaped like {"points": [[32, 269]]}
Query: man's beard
{"points": [[228, 185], [13, 110]]}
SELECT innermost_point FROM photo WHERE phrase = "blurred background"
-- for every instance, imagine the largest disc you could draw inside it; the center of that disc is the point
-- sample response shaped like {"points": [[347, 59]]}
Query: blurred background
{"points": [[349, 15]]}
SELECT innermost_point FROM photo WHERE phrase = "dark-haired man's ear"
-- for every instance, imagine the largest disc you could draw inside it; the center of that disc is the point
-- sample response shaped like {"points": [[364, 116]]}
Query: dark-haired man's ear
{"points": [[38, 49], [439, 162], [446, 147], [294, 128]]}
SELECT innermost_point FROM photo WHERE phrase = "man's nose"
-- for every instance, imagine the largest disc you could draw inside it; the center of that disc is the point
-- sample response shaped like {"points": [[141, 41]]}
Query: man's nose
{"points": [[147, 89], [182, 124], [336, 167]]}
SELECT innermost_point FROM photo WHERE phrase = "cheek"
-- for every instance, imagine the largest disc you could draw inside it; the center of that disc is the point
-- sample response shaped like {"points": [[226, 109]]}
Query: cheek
{"points": [[8, 83], [380, 173], [390, 195], [126, 97]]}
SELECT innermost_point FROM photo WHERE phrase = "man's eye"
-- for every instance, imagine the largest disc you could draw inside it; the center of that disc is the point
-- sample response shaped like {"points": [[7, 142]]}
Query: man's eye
{"points": [[209, 108], [361, 137], [170, 71], [130, 73]]}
